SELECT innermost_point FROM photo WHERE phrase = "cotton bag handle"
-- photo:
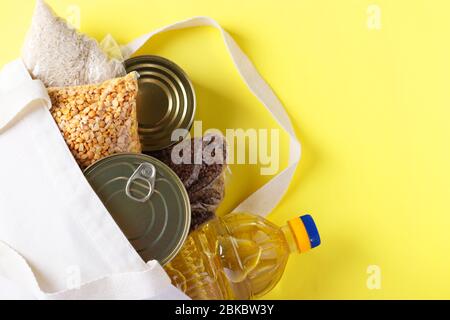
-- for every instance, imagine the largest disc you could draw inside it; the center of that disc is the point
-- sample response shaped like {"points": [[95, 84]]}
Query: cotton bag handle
{"points": [[13, 99], [265, 200]]}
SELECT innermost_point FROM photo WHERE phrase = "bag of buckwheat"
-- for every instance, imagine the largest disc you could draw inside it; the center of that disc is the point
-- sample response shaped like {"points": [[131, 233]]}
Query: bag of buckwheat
{"points": [[205, 181], [98, 120]]}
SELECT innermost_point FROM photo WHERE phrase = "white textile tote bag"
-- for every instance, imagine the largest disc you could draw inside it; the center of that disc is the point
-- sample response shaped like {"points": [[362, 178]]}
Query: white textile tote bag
{"points": [[57, 240]]}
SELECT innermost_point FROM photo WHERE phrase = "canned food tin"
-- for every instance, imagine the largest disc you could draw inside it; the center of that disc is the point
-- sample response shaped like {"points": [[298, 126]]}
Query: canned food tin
{"points": [[147, 200], [166, 101]]}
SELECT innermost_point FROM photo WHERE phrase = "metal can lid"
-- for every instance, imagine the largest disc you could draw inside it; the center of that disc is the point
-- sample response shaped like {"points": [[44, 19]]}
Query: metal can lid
{"points": [[147, 200], [166, 100]]}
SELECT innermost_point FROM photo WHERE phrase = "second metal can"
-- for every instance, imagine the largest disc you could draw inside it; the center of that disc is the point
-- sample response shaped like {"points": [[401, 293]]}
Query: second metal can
{"points": [[166, 101]]}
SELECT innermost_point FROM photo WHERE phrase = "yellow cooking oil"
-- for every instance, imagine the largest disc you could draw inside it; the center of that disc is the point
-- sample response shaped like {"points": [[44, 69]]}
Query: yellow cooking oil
{"points": [[239, 256]]}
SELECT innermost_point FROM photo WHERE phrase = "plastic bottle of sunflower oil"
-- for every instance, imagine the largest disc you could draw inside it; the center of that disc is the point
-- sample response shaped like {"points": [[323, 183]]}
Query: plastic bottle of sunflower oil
{"points": [[239, 256]]}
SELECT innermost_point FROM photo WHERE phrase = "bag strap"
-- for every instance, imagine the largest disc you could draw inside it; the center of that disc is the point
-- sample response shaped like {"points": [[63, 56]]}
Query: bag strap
{"points": [[12, 98], [264, 200]]}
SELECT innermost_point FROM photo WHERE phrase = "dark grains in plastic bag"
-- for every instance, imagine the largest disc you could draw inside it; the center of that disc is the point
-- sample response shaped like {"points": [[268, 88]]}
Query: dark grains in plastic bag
{"points": [[204, 180]]}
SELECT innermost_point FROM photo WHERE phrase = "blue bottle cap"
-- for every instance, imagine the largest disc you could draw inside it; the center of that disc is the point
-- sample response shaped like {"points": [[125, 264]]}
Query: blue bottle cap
{"points": [[312, 231]]}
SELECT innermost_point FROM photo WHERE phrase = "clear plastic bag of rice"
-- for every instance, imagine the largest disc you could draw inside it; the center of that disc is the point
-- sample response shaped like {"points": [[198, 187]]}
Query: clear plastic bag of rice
{"points": [[98, 120], [60, 56]]}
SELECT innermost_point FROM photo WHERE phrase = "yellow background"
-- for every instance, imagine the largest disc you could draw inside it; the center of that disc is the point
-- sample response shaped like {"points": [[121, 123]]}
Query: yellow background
{"points": [[372, 109]]}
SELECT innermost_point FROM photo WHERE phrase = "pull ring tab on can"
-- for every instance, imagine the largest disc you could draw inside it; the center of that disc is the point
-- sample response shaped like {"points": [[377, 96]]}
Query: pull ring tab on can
{"points": [[146, 173]]}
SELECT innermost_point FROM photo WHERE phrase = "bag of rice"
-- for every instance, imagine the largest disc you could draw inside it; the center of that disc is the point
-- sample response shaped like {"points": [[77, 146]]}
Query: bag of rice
{"points": [[60, 56], [98, 120]]}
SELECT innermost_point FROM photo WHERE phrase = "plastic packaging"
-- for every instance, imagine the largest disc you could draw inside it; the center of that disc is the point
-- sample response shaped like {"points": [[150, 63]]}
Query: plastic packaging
{"points": [[204, 180], [239, 256], [98, 120], [60, 56]]}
